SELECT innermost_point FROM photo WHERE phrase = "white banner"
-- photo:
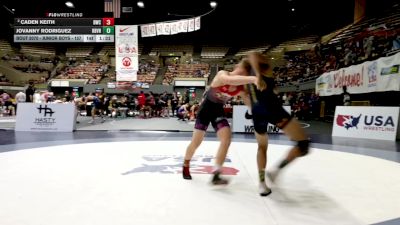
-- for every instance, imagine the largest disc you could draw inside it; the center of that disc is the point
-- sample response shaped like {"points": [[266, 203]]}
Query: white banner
{"points": [[170, 28], [382, 74], [197, 23], [243, 125], [185, 24], [144, 30], [45, 117], [180, 26], [366, 122], [166, 28], [191, 25], [174, 28], [159, 28], [127, 58], [152, 30]]}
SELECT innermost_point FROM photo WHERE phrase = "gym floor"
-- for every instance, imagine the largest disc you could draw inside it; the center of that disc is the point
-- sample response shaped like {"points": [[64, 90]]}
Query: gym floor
{"points": [[115, 175]]}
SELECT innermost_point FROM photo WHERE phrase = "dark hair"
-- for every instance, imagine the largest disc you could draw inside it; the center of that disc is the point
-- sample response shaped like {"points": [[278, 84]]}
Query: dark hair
{"points": [[245, 64], [264, 66]]}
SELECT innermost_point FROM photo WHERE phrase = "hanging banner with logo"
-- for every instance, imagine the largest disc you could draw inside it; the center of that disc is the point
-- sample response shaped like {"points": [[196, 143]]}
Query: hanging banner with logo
{"points": [[144, 30], [127, 55], [379, 123], [45, 117], [171, 28], [243, 125], [191, 25], [152, 30], [380, 75], [197, 23], [166, 28], [174, 28], [185, 24]]}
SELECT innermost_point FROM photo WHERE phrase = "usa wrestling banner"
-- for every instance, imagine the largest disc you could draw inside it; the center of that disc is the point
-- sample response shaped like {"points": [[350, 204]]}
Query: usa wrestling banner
{"points": [[127, 55]]}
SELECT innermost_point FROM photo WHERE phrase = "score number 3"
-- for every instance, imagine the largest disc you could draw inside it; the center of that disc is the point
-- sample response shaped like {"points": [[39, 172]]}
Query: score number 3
{"points": [[108, 21]]}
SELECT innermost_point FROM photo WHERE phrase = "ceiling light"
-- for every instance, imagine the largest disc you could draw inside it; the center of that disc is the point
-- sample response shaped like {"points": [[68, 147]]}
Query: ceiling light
{"points": [[293, 9], [213, 4], [69, 4], [140, 4]]}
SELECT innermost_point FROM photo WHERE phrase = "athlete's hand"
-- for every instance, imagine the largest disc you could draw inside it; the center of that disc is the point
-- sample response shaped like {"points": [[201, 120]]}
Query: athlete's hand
{"points": [[254, 80]]}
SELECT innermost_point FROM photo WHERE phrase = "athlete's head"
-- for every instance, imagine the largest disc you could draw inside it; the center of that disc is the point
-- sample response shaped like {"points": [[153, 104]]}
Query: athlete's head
{"points": [[242, 68], [261, 64]]}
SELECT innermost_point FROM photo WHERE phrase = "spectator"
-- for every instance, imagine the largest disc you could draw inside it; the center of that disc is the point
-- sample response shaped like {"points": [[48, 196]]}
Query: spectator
{"points": [[30, 91], [20, 97], [396, 43], [346, 97], [174, 103], [141, 100]]}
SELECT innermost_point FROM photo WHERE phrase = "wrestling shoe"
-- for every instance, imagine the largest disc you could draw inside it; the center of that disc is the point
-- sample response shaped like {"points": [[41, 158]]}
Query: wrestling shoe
{"points": [[186, 173], [264, 190], [217, 180]]}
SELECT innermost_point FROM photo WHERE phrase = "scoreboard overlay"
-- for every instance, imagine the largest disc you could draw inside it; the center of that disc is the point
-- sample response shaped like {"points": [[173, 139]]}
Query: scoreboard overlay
{"points": [[74, 30]]}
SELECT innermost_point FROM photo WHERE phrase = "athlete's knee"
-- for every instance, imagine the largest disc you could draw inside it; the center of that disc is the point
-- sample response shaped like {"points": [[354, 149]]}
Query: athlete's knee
{"points": [[304, 147], [262, 143]]}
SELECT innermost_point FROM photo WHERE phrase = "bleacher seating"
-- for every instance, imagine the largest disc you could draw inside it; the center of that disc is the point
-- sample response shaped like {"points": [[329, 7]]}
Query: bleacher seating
{"points": [[94, 72], [107, 50], [188, 49], [41, 50], [367, 39], [389, 22], [147, 72], [214, 52], [185, 71], [5, 46], [246, 50], [79, 51], [4, 80]]}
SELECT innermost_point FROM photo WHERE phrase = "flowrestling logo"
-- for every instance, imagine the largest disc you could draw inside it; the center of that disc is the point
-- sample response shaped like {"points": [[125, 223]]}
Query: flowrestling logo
{"points": [[172, 164], [366, 122]]}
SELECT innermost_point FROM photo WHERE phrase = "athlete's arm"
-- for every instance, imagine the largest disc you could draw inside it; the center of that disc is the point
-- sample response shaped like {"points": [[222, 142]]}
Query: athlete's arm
{"points": [[223, 78], [254, 62]]}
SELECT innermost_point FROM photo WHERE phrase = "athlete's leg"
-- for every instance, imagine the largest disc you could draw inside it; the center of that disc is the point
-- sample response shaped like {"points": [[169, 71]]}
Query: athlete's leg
{"points": [[295, 132], [223, 130], [197, 138], [94, 111], [262, 140]]}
